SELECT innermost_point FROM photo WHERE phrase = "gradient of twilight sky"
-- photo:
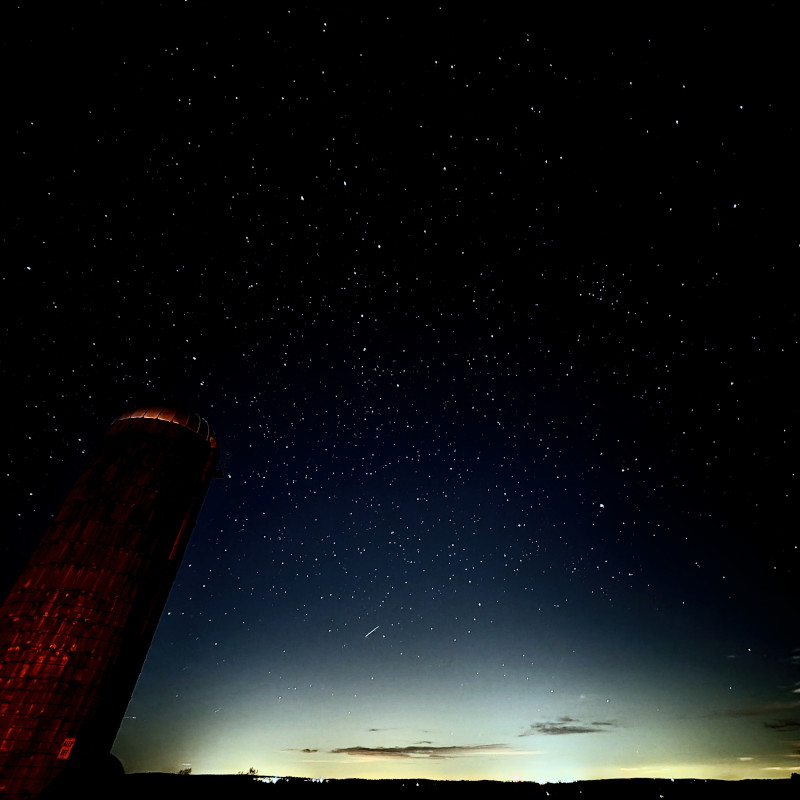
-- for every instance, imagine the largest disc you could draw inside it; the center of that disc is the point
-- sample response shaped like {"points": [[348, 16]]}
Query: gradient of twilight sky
{"points": [[492, 318]]}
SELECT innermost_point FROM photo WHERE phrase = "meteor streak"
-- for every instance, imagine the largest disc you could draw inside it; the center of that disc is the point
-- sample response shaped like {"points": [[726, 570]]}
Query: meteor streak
{"points": [[372, 631]]}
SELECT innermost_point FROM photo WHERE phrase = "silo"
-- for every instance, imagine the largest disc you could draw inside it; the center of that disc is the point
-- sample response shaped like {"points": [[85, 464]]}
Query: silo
{"points": [[76, 626]]}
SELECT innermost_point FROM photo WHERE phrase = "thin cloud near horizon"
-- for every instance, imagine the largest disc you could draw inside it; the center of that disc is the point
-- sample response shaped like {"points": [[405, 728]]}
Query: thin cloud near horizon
{"points": [[565, 726], [759, 710], [426, 751]]}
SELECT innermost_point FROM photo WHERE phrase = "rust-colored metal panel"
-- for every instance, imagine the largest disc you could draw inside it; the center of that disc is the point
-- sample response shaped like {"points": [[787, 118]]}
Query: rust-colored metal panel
{"points": [[76, 627]]}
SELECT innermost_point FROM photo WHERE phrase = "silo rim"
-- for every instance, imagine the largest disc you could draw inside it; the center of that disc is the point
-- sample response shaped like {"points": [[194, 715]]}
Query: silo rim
{"points": [[186, 419]]}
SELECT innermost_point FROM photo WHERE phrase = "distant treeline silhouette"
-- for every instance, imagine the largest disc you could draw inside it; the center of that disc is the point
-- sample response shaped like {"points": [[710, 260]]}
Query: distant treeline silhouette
{"points": [[161, 786]]}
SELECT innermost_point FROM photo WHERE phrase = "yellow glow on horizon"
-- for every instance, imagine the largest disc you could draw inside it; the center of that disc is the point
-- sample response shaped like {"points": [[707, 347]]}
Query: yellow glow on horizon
{"points": [[503, 768]]}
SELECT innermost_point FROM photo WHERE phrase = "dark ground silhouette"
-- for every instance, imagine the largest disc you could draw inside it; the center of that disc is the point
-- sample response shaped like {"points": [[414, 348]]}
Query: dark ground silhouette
{"points": [[160, 786]]}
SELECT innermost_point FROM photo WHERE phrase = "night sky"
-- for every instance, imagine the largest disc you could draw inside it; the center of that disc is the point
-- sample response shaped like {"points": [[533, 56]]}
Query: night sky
{"points": [[495, 321]]}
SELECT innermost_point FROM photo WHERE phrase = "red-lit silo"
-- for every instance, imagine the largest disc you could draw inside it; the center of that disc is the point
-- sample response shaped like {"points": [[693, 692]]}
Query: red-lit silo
{"points": [[76, 626]]}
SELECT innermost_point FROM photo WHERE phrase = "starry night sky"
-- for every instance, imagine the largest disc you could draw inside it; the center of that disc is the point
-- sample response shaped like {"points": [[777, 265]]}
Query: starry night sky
{"points": [[492, 316]]}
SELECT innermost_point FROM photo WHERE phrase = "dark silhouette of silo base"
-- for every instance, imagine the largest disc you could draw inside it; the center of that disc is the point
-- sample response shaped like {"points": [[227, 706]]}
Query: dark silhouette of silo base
{"points": [[76, 626]]}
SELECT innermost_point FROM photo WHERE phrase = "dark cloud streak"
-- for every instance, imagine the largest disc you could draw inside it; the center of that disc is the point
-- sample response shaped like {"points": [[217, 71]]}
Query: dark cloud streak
{"points": [[565, 726], [783, 725], [424, 751], [760, 710]]}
